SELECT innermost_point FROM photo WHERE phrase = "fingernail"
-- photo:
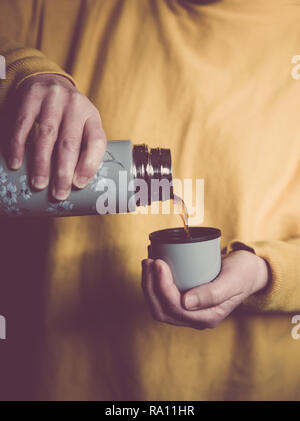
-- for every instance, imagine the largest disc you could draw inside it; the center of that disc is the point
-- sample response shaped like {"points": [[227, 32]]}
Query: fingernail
{"points": [[60, 194], [80, 181], [39, 181], [15, 163], [191, 301]]}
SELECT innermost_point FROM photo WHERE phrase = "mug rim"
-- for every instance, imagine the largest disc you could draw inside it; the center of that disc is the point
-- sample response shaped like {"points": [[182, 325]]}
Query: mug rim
{"points": [[174, 235]]}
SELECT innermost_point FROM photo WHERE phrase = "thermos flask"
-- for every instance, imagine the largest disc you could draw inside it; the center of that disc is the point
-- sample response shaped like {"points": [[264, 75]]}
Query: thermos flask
{"points": [[124, 170]]}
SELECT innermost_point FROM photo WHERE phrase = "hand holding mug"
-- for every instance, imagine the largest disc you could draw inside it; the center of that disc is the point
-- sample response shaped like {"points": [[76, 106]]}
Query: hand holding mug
{"points": [[205, 306]]}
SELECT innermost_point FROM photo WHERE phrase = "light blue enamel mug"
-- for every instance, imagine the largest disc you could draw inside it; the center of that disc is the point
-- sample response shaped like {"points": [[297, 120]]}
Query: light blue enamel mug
{"points": [[193, 261]]}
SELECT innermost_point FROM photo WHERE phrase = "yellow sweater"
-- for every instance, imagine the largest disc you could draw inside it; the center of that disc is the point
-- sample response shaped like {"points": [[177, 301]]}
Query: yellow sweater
{"points": [[212, 82]]}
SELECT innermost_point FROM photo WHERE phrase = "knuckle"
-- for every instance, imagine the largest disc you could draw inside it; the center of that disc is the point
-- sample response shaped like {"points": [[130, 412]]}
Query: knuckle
{"points": [[95, 112], [35, 89], [18, 142], [75, 97], [212, 295], [42, 145], [214, 320], [40, 162], [69, 144], [88, 171], [35, 85], [63, 175], [96, 143], [220, 313], [47, 129], [55, 88], [21, 121]]}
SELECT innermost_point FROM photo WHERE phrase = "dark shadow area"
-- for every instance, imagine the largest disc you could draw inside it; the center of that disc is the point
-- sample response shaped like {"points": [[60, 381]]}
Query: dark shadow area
{"points": [[23, 250], [108, 315], [23, 253]]}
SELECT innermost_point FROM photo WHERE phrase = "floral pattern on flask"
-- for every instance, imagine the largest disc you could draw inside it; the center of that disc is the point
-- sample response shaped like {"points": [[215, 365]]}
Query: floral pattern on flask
{"points": [[3, 175], [59, 208], [14, 193], [100, 178], [99, 181], [25, 189], [10, 194], [8, 200]]}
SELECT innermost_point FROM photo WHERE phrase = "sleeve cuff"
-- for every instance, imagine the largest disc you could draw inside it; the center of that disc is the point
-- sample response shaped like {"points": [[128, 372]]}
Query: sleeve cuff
{"points": [[23, 68], [37, 66], [271, 297]]}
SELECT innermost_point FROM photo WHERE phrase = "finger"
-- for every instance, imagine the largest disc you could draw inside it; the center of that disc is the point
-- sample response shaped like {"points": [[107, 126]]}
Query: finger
{"points": [[227, 285], [93, 148], [147, 286], [167, 293], [27, 114], [67, 152], [170, 300], [165, 288], [150, 295], [49, 122]]}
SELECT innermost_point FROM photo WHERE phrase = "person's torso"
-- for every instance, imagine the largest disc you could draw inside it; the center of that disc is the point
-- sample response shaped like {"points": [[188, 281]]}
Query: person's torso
{"points": [[212, 83]]}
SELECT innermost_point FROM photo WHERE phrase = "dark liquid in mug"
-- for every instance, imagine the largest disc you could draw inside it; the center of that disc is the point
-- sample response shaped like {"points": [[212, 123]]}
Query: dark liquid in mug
{"points": [[183, 213]]}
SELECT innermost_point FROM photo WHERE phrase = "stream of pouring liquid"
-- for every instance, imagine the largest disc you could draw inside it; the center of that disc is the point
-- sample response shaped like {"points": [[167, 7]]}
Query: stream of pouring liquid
{"points": [[183, 213]]}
